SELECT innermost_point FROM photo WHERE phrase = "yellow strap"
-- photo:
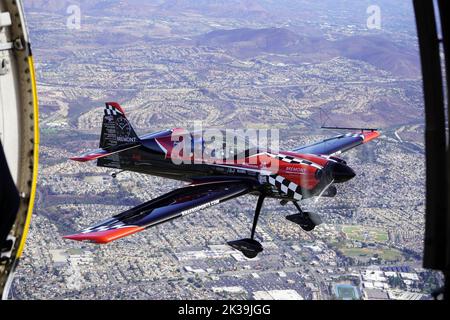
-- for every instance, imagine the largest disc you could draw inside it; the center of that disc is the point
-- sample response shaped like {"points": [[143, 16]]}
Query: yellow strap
{"points": [[35, 158]]}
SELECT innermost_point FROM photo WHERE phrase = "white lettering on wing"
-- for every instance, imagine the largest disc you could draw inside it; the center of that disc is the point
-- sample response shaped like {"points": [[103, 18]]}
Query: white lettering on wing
{"points": [[203, 206]]}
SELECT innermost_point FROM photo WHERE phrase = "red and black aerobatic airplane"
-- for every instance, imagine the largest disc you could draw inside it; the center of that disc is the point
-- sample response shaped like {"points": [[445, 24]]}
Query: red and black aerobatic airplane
{"points": [[302, 173]]}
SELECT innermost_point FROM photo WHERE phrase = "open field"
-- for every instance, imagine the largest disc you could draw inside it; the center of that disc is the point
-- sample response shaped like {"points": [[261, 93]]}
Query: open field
{"points": [[365, 234], [367, 253]]}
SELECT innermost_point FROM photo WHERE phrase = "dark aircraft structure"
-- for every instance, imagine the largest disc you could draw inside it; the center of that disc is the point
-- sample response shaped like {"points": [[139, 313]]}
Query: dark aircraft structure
{"points": [[19, 138], [290, 176], [19, 142]]}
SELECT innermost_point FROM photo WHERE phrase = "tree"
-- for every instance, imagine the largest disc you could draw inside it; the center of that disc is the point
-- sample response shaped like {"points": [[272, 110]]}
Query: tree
{"points": [[396, 282]]}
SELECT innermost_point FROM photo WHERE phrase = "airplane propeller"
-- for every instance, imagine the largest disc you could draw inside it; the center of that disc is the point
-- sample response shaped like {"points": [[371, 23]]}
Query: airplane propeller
{"points": [[323, 191], [335, 172]]}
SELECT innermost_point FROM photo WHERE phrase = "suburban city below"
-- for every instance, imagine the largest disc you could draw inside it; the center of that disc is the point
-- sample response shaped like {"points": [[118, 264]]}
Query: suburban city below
{"points": [[286, 65]]}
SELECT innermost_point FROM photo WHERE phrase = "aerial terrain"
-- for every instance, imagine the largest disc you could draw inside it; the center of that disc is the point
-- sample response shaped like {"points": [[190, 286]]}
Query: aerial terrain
{"points": [[286, 65]]}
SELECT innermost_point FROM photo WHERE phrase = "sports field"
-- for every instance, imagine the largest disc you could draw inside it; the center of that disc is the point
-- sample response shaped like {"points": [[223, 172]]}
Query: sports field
{"points": [[365, 234], [383, 254], [346, 292]]}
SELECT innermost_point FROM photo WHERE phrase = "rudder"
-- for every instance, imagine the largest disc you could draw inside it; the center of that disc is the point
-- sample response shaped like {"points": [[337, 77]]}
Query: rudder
{"points": [[116, 129]]}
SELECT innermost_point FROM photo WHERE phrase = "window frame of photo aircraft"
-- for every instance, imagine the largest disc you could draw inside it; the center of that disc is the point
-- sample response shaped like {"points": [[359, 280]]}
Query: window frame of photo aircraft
{"points": [[431, 43], [20, 137]]}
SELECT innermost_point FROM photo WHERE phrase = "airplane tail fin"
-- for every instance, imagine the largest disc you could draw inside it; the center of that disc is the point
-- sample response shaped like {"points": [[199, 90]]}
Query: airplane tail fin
{"points": [[117, 137], [116, 129]]}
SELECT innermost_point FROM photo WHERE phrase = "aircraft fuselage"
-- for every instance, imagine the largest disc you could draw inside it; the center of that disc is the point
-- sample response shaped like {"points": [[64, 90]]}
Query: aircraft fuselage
{"points": [[306, 175]]}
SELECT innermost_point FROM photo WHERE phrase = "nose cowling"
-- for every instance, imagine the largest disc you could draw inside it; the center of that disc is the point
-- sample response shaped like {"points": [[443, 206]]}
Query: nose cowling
{"points": [[340, 172]]}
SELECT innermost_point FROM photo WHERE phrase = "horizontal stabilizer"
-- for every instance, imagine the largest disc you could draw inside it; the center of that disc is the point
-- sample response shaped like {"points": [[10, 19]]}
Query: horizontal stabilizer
{"points": [[102, 153]]}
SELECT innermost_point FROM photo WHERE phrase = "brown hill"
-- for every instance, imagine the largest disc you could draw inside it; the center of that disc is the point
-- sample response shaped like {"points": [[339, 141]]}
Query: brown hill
{"points": [[378, 51]]}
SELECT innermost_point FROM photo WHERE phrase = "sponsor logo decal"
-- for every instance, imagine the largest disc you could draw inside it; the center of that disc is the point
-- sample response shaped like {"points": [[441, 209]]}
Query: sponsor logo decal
{"points": [[203, 206]]}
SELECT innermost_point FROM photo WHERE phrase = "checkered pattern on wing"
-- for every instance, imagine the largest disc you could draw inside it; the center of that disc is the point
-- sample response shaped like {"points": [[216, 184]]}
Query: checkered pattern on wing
{"points": [[355, 135], [285, 186], [111, 111], [104, 228]]}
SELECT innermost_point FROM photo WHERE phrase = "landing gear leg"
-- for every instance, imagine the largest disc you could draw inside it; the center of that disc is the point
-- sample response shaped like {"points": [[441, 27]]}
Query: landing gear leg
{"points": [[257, 212], [250, 247], [306, 220]]}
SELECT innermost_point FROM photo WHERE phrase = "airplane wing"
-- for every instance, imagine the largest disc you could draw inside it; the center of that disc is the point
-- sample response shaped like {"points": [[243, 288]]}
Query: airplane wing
{"points": [[103, 153], [170, 206], [338, 144]]}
